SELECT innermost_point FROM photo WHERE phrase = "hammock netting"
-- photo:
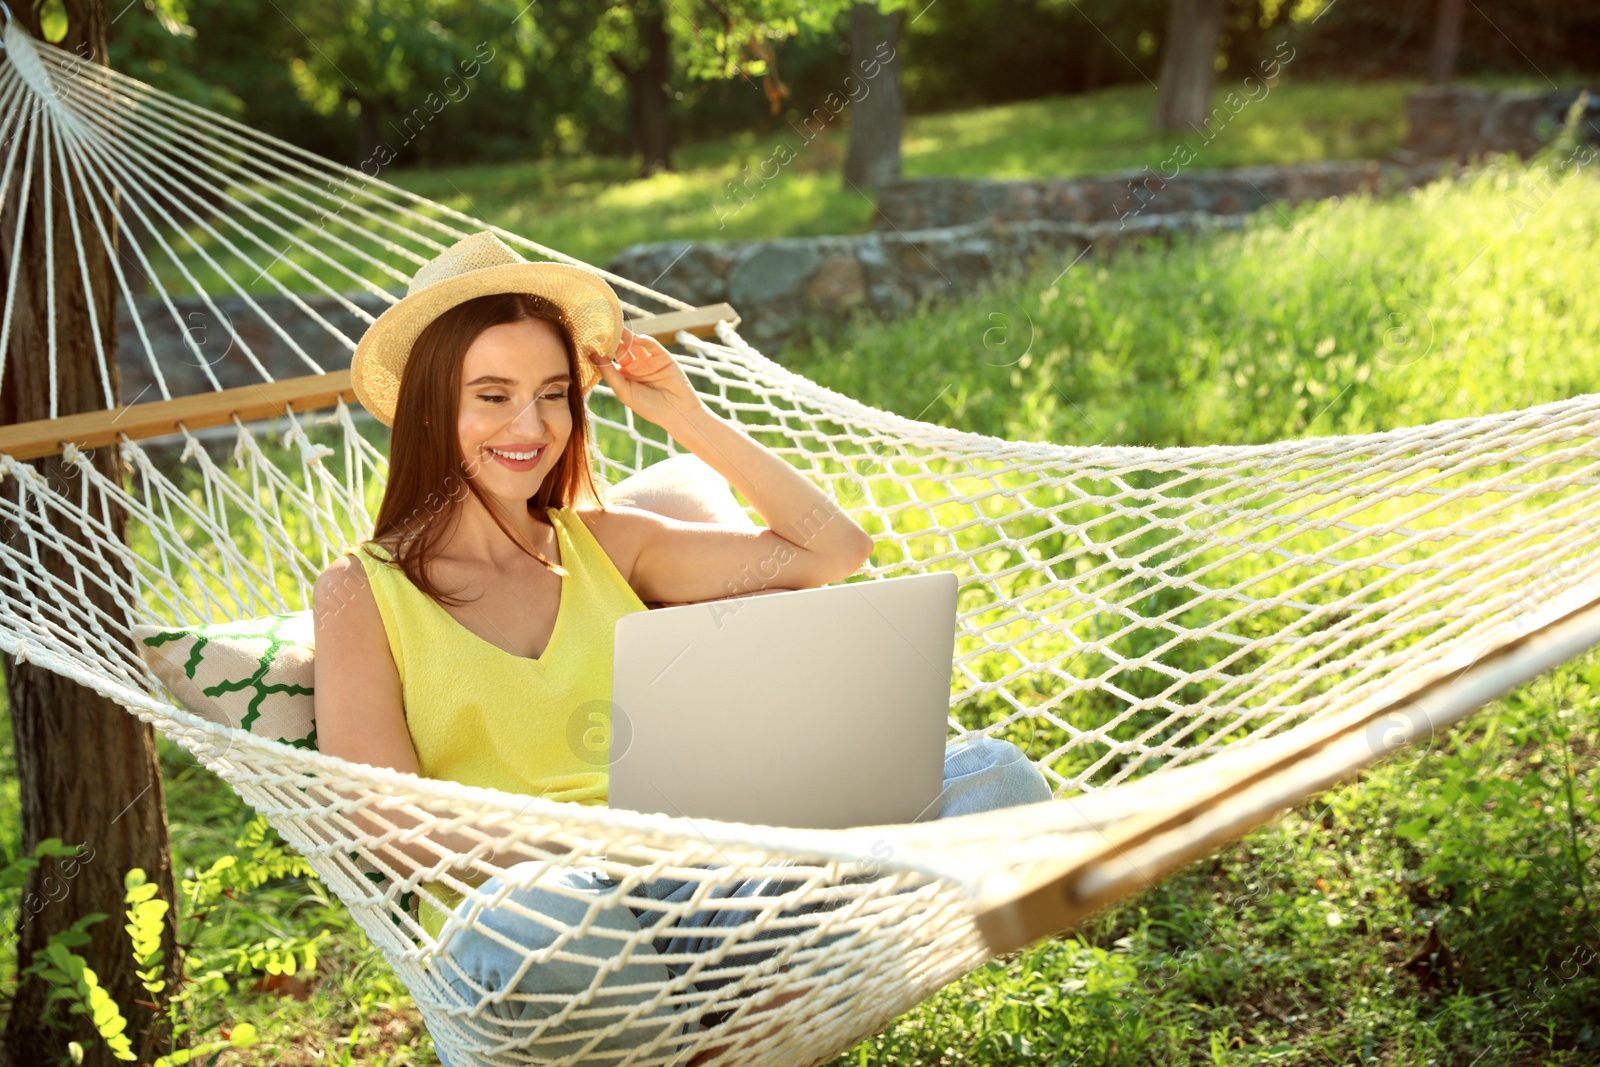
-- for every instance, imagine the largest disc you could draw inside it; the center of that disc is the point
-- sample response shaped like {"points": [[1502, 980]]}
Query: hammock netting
{"points": [[1138, 620]]}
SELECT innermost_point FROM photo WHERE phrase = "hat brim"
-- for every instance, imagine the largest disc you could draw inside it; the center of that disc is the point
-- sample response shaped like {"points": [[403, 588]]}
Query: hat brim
{"points": [[593, 312]]}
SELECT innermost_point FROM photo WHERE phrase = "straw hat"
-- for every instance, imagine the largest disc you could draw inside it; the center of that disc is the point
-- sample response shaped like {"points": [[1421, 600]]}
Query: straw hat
{"points": [[477, 266]]}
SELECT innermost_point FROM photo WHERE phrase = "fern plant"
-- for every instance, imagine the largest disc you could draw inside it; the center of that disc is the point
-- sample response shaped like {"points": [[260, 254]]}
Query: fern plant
{"points": [[76, 986]]}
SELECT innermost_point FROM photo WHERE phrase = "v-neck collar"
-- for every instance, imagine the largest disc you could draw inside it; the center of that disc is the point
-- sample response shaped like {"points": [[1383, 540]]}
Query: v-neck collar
{"points": [[564, 549]]}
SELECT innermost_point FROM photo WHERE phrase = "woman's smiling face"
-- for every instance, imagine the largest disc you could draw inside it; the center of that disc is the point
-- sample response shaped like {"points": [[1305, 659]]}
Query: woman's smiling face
{"points": [[515, 382]]}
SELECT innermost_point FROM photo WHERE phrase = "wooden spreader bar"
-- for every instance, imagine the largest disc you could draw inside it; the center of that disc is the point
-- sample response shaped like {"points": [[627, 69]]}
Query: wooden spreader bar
{"points": [[93, 429]]}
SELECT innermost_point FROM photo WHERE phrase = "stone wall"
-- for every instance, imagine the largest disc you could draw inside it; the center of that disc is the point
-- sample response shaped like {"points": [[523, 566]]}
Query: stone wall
{"points": [[1458, 122], [1129, 194], [938, 238], [785, 288]]}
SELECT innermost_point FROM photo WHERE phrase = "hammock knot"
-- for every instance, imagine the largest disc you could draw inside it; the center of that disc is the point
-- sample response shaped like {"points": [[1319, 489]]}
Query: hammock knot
{"points": [[310, 451]]}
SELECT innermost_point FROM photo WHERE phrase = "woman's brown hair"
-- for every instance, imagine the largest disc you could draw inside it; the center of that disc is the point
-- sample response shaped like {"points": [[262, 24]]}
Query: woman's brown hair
{"points": [[427, 471]]}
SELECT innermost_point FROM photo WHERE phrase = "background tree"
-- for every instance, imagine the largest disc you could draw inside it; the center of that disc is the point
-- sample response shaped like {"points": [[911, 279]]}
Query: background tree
{"points": [[1446, 41], [1252, 31], [1394, 39], [730, 40], [552, 89], [642, 54], [160, 48], [397, 63], [1188, 63], [877, 112], [87, 771], [955, 59]]}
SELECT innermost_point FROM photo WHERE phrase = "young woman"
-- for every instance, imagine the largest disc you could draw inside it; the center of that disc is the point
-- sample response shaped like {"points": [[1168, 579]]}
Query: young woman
{"points": [[461, 639]]}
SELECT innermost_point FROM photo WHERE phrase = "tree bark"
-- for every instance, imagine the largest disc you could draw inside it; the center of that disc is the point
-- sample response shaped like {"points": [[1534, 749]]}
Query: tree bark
{"points": [[87, 770], [1188, 63], [649, 95], [877, 109], [1446, 42]]}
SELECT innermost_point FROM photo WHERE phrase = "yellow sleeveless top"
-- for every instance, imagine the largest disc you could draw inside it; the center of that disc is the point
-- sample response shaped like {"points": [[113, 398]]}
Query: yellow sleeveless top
{"points": [[482, 716]]}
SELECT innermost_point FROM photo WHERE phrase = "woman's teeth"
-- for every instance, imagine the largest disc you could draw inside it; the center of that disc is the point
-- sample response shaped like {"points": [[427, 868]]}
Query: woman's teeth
{"points": [[518, 455]]}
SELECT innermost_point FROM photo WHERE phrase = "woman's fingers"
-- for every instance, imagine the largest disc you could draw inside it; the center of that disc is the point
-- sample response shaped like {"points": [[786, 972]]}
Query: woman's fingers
{"points": [[649, 379], [637, 347], [645, 359], [613, 378], [629, 345]]}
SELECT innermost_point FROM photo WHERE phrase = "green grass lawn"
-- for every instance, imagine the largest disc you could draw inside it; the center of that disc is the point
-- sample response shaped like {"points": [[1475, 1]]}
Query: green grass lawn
{"points": [[1292, 946], [1340, 317], [594, 208]]}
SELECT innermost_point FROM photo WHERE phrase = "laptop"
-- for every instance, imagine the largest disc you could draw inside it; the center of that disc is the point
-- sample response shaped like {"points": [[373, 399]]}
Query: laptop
{"points": [[822, 708]]}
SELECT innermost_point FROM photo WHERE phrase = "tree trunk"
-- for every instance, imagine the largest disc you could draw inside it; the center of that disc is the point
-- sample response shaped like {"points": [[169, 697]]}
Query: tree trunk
{"points": [[649, 95], [87, 770], [1188, 63], [1446, 42], [877, 110]]}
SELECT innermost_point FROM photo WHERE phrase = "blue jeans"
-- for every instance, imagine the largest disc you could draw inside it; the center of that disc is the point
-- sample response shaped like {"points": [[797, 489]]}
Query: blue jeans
{"points": [[980, 774]]}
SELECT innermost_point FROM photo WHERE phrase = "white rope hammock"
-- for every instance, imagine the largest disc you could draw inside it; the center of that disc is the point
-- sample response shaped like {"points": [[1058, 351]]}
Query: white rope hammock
{"points": [[1185, 641]]}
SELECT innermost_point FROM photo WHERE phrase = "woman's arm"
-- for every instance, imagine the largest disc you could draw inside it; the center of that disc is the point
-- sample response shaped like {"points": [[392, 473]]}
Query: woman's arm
{"points": [[361, 717], [828, 543], [809, 540]]}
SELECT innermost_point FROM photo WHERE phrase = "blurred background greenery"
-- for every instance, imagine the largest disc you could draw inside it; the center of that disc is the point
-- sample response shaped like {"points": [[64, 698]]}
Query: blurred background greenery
{"points": [[335, 78]]}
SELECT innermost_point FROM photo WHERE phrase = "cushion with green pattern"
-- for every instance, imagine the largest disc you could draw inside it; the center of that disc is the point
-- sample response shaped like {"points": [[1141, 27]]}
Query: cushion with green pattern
{"points": [[254, 674]]}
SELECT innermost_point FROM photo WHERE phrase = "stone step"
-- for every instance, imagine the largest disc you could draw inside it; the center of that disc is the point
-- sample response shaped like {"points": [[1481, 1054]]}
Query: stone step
{"points": [[784, 286], [1164, 188]]}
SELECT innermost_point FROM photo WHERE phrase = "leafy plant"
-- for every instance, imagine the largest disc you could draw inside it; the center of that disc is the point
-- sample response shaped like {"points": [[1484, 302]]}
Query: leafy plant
{"points": [[75, 984]]}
